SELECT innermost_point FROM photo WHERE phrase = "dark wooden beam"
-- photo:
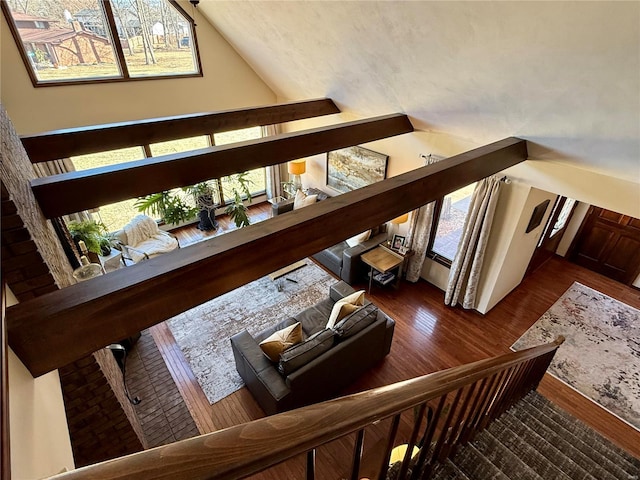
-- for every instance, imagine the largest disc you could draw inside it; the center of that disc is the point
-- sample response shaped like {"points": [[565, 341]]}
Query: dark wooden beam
{"points": [[75, 191], [57, 328], [99, 138]]}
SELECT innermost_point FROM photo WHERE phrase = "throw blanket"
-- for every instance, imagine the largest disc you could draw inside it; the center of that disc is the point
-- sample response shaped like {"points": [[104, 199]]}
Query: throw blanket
{"points": [[139, 229]]}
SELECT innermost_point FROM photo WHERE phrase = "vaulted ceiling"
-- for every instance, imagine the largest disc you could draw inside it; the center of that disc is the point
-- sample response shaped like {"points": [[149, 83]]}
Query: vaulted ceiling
{"points": [[563, 75]]}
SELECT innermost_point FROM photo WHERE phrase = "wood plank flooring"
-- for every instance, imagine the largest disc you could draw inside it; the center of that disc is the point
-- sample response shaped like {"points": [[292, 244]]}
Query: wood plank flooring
{"points": [[428, 337]]}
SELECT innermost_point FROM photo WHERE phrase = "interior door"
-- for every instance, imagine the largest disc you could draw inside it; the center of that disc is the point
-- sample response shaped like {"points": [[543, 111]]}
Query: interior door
{"points": [[608, 243], [553, 231]]}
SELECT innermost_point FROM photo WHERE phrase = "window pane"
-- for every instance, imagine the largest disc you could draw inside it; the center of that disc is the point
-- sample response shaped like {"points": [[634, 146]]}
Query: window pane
{"points": [[65, 42], [451, 222], [182, 145], [115, 215], [257, 177], [155, 37]]}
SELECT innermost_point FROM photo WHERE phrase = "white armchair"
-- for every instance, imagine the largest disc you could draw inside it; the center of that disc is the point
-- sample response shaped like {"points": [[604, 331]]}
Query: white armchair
{"points": [[141, 239]]}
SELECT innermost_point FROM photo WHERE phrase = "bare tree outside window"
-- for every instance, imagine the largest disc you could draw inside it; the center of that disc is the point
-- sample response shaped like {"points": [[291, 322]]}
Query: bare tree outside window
{"points": [[72, 40]]}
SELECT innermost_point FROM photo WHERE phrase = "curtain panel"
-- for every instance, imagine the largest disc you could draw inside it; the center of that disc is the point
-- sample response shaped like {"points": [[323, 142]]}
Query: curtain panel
{"points": [[467, 264]]}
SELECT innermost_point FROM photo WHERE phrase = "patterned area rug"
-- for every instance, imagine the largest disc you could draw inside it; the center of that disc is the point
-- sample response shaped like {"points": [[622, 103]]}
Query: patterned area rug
{"points": [[601, 355], [203, 332]]}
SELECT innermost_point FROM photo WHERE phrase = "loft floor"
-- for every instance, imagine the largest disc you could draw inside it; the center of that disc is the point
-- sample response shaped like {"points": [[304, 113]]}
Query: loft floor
{"points": [[428, 337]]}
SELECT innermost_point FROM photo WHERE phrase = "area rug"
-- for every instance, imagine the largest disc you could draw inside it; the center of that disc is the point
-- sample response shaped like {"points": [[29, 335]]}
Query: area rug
{"points": [[600, 357], [203, 332]]}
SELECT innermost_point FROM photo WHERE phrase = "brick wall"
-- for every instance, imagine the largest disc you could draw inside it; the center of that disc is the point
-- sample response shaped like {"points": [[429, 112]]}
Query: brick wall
{"points": [[102, 424]]}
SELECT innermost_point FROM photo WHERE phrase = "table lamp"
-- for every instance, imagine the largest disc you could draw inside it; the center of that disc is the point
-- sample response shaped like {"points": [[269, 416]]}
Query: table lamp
{"points": [[297, 168]]}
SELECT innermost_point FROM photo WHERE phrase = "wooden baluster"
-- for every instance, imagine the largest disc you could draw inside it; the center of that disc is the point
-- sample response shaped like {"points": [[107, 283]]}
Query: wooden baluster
{"points": [[491, 412], [412, 441], [473, 413], [490, 400], [443, 434], [426, 443], [387, 454], [311, 464], [508, 394], [452, 439], [357, 455]]}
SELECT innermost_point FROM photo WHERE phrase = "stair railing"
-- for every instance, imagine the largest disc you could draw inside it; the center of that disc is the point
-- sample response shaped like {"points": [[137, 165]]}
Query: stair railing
{"points": [[447, 408]]}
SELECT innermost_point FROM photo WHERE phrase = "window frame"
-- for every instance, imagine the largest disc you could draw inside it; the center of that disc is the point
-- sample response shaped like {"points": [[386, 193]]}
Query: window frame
{"points": [[437, 210], [117, 48]]}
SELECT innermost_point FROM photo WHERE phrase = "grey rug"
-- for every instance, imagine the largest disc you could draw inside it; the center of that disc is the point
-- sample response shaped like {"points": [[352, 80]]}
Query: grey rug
{"points": [[601, 355], [203, 332]]}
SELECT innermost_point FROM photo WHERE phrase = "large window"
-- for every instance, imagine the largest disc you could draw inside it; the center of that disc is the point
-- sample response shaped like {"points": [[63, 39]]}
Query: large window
{"points": [[451, 212], [116, 215], [70, 41]]}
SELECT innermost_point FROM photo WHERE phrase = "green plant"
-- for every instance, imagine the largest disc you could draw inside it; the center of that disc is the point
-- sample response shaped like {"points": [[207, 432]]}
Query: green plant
{"points": [[237, 210], [94, 235], [167, 205]]}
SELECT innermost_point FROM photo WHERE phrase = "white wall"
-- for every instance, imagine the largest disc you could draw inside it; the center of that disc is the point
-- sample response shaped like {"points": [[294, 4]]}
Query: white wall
{"points": [[40, 444], [509, 249], [228, 82]]}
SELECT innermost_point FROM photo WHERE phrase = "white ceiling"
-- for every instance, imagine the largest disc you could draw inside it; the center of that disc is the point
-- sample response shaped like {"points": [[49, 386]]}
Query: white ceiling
{"points": [[564, 75]]}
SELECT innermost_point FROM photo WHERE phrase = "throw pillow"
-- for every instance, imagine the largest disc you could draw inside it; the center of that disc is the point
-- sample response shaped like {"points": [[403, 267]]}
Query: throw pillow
{"points": [[359, 320], [344, 307], [277, 343], [302, 353], [359, 238], [302, 200]]}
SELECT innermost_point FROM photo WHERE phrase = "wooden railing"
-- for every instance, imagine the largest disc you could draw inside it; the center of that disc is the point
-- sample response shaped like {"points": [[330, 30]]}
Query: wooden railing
{"points": [[445, 409]]}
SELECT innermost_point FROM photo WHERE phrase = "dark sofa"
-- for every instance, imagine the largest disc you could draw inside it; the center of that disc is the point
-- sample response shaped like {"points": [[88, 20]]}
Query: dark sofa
{"points": [[341, 259], [346, 354]]}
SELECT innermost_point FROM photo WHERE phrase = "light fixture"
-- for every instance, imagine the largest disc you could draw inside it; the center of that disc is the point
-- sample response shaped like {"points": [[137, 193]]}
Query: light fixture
{"points": [[297, 168]]}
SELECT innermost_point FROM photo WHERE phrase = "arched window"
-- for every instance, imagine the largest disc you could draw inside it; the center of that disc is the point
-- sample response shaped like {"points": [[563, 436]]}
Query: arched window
{"points": [[68, 42]]}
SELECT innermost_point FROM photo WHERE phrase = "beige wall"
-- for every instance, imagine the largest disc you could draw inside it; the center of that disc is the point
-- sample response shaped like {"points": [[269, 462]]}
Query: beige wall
{"points": [[509, 249], [228, 82], [40, 444]]}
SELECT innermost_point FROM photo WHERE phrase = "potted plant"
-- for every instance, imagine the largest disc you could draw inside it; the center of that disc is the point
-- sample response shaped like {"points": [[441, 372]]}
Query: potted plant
{"points": [[204, 195], [237, 210], [167, 205], [94, 235]]}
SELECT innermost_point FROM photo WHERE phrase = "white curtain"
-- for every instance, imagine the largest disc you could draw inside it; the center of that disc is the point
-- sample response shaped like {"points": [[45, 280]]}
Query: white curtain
{"points": [[56, 167], [419, 236], [274, 172], [467, 264], [420, 233]]}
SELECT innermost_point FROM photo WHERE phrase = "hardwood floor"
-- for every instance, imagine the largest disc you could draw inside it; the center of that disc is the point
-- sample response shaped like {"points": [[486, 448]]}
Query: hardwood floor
{"points": [[430, 337]]}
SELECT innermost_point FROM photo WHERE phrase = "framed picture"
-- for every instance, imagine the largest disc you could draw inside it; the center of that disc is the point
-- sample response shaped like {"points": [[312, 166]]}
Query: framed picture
{"points": [[398, 242], [355, 167], [536, 216]]}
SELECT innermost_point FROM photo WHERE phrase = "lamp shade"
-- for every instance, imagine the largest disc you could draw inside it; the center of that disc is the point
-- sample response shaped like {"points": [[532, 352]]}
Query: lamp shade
{"points": [[297, 167], [401, 219]]}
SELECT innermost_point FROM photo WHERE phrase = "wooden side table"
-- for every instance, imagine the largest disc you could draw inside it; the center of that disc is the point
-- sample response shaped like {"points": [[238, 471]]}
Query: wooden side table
{"points": [[382, 260]]}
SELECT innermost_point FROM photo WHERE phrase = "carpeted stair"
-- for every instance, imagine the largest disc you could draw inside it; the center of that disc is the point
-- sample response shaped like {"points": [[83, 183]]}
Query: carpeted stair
{"points": [[537, 440]]}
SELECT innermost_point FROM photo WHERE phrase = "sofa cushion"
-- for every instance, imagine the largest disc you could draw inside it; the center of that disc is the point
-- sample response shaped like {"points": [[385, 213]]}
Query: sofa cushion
{"points": [[358, 239], [356, 321], [302, 353], [277, 343], [314, 318], [345, 306], [302, 200]]}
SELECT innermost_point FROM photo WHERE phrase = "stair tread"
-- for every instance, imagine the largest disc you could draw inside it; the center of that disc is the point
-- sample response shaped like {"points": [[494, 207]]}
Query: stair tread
{"points": [[526, 452], [547, 450], [476, 466], [449, 471], [556, 439], [588, 435], [503, 458]]}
